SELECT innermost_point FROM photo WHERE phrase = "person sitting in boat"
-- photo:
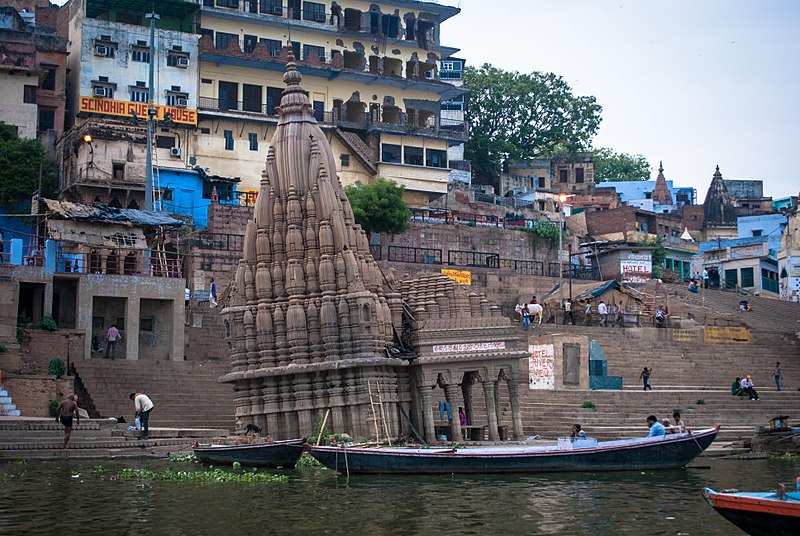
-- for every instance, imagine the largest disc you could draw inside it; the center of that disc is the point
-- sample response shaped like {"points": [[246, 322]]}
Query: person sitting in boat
{"points": [[678, 424], [577, 432], [656, 428]]}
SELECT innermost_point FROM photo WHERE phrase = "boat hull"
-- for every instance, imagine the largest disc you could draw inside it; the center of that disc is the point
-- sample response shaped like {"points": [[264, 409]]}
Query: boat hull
{"points": [[278, 454], [757, 516], [660, 454]]}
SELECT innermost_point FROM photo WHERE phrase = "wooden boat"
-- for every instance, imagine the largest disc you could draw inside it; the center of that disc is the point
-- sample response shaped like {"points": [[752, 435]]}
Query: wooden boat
{"points": [[666, 452], [275, 454], [757, 513]]}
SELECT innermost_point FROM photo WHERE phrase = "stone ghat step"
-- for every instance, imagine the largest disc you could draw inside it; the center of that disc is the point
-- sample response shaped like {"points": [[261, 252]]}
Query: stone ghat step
{"points": [[34, 423], [80, 433], [89, 453], [104, 444]]}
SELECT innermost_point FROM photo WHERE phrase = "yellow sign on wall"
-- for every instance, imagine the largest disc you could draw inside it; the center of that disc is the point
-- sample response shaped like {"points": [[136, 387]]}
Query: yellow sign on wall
{"points": [[462, 277], [723, 334], [184, 116]]}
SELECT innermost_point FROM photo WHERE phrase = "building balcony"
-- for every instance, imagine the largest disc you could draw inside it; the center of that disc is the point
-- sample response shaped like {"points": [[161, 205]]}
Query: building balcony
{"points": [[333, 65], [347, 22], [119, 262], [380, 119]]}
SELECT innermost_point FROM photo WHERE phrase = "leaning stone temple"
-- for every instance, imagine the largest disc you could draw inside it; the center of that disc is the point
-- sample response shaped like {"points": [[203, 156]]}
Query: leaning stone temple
{"points": [[316, 326]]}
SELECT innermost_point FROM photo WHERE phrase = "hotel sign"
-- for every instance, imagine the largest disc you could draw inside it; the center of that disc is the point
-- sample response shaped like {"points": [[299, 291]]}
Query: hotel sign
{"points": [[541, 366], [183, 116], [462, 277], [636, 268]]}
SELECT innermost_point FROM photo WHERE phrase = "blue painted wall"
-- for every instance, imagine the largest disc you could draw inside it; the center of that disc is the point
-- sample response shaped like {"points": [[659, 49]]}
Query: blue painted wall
{"points": [[17, 227], [633, 190], [186, 186], [769, 225]]}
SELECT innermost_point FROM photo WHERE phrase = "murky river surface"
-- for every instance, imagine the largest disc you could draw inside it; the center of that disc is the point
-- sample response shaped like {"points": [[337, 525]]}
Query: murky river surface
{"points": [[82, 498]]}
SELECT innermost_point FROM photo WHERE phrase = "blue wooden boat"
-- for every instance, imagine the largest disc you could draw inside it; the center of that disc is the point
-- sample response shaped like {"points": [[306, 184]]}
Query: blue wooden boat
{"points": [[759, 513], [275, 454], [666, 452]]}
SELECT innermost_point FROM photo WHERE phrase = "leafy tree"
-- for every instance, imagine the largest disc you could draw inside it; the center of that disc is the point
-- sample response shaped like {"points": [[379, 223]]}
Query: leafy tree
{"points": [[379, 207], [610, 165], [522, 116], [19, 168]]}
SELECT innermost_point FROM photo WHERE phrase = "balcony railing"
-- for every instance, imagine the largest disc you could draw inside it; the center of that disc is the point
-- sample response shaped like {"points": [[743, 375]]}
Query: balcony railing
{"points": [[219, 241], [119, 262], [439, 127]]}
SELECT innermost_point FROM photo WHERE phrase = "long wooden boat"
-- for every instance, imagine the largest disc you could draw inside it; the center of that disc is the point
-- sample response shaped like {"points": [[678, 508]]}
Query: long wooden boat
{"points": [[275, 454], [666, 452], [757, 513]]}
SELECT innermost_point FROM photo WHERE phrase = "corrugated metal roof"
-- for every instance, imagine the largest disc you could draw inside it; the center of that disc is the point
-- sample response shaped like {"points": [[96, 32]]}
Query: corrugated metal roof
{"points": [[67, 210]]}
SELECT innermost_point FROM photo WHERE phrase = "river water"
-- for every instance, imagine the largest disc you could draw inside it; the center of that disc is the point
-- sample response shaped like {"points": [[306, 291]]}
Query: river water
{"points": [[84, 498]]}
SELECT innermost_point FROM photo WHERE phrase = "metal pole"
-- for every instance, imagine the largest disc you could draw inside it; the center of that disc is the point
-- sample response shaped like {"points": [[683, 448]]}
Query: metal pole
{"points": [[560, 262], [569, 263], [151, 115]]}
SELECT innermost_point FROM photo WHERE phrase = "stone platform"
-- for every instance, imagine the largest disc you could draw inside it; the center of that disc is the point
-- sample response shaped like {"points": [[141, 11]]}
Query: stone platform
{"points": [[40, 438]]}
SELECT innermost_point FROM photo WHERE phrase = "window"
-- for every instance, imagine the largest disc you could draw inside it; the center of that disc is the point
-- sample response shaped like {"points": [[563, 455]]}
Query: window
{"points": [[253, 138], [563, 175], [541, 205], [541, 182], [118, 171], [273, 99], [310, 51], [146, 323], [206, 81], [391, 153], [273, 46], [314, 11], [747, 277], [344, 159], [251, 98], [179, 99], [228, 3], [139, 92], [165, 142], [47, 119], [250, 42], [757, 232], [205, 130], [579, 175], [29, 94], [296, 49], [140, 52], [436, 158], [271, 7], [49, 81], [222, 39], [178, 58], [104, 48], [102, 90], [229, 140], [294, 9], [319, 110], [166, 194], [206, 32], [413, 155], [228, 95]]}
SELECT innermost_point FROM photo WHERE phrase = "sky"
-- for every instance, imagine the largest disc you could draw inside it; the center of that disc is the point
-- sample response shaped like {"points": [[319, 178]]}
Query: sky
{"points": [[691, 83]]}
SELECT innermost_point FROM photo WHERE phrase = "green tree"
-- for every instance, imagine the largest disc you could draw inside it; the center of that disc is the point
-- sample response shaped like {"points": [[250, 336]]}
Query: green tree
{"points": [[610, 165], [522, 116], [379, 207], [20, 160]]}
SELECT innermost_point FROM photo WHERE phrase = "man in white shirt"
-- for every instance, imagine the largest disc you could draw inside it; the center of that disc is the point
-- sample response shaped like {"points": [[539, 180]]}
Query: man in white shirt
{"points": [[602, 310], [143, 406]]}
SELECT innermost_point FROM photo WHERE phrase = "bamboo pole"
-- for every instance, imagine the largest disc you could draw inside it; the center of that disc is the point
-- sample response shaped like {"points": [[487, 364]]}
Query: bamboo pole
{"points": [[322, 428], [383, 414]]}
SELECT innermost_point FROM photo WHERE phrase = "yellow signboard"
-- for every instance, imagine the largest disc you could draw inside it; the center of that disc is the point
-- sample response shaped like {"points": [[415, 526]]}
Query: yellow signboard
{"points": [[462, 277], [184, 116], [723, 334]]}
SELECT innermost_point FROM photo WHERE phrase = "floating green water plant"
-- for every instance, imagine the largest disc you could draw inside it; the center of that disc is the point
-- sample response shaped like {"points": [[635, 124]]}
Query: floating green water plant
{"points": [[307, 460], [210, 475], [182, 457]]}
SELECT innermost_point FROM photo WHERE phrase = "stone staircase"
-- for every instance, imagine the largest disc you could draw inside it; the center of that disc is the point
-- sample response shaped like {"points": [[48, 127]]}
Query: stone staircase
{"points": [[30, 437], [7, 406], [186, 394], [690, 376]]}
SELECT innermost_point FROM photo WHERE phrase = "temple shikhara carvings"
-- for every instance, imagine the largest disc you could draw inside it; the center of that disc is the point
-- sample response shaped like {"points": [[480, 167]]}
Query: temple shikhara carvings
{"points": [[316, 326]]}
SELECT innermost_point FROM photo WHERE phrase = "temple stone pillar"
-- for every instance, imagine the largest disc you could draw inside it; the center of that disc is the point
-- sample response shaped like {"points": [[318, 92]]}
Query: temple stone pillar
{"points": [[516, 415], [491, 411], [466, 393], [429, 430], [451, 395]]}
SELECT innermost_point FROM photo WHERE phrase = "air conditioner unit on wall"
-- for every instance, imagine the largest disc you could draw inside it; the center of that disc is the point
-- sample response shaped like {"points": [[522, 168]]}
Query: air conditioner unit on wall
{"points": [[175, 151], [101, 50], [181, 102], [183, 62], [101, 91]]}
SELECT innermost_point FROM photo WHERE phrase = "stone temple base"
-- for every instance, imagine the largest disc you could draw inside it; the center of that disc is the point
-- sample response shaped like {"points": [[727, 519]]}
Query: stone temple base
{"points": [[293, 405]]}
